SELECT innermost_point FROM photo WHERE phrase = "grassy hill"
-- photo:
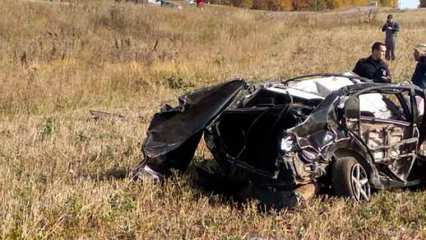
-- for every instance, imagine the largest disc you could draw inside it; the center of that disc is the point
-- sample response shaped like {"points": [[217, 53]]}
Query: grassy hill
{"points": [[61, 172]]}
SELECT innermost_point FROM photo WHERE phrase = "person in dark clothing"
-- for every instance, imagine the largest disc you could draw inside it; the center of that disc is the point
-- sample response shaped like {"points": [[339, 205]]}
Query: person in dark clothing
{"points": [[374, 67], [391, 29], [419, 75]]}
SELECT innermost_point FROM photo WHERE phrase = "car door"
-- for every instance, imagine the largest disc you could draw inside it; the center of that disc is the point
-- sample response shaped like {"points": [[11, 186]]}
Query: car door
{"points": [[387, 128], [421, 123]]}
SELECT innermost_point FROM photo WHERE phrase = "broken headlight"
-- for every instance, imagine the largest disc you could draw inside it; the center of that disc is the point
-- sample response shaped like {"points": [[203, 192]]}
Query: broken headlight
{"points": [[288, 143]]}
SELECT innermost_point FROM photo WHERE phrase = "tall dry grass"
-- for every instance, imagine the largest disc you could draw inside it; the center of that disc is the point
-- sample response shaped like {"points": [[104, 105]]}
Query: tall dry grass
{"points": [[60, 171]]}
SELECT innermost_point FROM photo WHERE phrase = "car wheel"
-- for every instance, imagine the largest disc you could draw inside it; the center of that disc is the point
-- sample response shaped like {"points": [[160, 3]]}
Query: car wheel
{"points": [[350, 179]]}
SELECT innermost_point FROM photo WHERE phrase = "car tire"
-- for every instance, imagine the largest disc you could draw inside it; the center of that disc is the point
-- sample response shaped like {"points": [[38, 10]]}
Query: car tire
{"points": [[350, 179]]}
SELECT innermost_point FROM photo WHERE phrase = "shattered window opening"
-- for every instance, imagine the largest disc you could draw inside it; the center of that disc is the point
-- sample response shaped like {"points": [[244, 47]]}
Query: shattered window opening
{"points": [[383, 106]]}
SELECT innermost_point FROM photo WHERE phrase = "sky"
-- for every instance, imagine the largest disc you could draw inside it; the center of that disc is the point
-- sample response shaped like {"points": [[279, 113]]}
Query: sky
{"points": [[408, 3]]}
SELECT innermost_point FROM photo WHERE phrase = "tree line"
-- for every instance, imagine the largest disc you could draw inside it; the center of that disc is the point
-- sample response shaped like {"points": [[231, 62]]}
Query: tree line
{"points": [[297, 5]]}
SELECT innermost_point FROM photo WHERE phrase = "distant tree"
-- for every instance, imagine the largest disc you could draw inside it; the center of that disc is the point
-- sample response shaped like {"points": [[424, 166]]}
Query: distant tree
{"points": [[389, 3], [260, 4], [275, 5], [332, 4], [360, 2], [224, 2], [243, 3], [423, 3], [303, 4], [289, 5], [247, 3], [286, 5]]}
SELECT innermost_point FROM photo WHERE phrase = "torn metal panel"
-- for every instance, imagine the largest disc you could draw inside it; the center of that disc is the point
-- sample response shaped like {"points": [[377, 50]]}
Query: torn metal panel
{"points": [[174, 133]]}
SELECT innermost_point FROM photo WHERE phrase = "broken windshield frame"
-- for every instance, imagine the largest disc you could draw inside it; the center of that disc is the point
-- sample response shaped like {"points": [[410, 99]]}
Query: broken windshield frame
{"points": [[322, 84], [353, 78]]}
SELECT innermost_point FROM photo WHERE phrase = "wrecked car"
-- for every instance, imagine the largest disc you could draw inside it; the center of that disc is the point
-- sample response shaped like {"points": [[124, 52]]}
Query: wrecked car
{"points": [[339, 133]]}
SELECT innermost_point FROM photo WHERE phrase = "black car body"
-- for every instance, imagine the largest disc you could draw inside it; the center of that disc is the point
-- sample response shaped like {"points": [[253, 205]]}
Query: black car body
{"points": [[340, 132]]}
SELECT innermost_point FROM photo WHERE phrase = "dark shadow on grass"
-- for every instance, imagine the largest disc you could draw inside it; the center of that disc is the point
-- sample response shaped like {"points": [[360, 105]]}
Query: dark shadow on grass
{"points": [[117, 173], [221, 189], [216, 187], [239, 193]]}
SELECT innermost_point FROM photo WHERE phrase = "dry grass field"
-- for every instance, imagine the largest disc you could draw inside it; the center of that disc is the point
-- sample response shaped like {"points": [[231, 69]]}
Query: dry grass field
{"points": [[62, 174]]}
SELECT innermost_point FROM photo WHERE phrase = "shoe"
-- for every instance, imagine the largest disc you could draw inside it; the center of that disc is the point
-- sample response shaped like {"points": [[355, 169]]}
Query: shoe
{"points": [[145, 173]]}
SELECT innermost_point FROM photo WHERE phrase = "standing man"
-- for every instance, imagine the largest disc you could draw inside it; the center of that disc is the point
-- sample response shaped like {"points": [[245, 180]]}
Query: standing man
{"points": [[374, 67], [419, 76], [391, 29]]}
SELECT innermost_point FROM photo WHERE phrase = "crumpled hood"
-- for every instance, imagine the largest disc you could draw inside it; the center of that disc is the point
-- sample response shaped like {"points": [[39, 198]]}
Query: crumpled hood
{"points": [[175, 132]]}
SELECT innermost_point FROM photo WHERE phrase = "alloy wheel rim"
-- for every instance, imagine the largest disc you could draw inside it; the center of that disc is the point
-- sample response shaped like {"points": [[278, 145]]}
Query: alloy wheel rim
{"points": [[360, 185]]}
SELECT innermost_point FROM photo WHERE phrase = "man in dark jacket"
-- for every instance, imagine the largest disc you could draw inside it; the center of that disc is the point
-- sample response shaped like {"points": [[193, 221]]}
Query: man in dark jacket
{"points": [[374, 67], [419, 76], [391, 29]]}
